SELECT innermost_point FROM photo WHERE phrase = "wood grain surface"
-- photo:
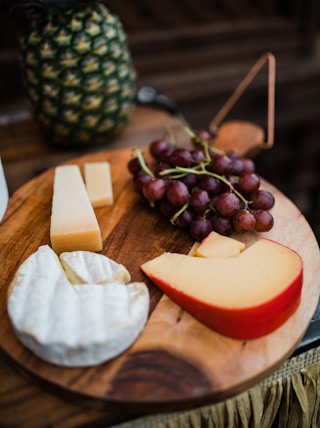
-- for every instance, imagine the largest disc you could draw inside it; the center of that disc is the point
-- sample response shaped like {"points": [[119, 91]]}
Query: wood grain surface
{"points": [[177, 362]]}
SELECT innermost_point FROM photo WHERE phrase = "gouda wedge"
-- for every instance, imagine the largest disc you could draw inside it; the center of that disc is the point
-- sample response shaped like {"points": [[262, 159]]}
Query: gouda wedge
{"points": [[244, 297]]}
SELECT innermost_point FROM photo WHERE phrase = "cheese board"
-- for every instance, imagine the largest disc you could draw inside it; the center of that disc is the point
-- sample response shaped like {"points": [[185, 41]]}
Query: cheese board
{"points": [[176, 363]]}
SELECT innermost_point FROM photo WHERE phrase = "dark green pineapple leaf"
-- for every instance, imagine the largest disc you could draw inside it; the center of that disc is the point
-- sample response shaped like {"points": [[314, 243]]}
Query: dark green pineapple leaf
{"points": [[39, 8]]}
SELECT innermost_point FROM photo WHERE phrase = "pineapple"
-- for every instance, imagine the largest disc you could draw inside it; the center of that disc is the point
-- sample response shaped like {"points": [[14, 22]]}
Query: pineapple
{"points": [[77, 70]]}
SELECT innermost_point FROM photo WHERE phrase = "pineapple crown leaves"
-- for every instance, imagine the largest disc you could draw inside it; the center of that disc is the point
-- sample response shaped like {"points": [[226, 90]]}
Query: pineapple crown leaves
{"points": [[39, 8]]}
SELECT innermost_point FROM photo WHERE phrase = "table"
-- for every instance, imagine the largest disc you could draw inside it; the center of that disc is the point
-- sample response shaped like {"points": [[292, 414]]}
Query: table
{"points": [[291, 393]]}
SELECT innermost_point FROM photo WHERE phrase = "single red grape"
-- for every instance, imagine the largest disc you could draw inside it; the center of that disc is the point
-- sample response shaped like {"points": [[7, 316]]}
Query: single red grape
{"points": [[233, 154], [166, 208], [243, 221], [200, 136], [248, 183], [154, 189], [220, 164], [237, 167], [199, 228], [139, 179], [181, 157], [222, 225], [166, 155], [261, 199], [177, 193], [134, 166], [197, 156], [159, 148], [200, 200], [264, 220], [227, 204], [190, 180], [203, 134], [249, 166], [211, 184]]}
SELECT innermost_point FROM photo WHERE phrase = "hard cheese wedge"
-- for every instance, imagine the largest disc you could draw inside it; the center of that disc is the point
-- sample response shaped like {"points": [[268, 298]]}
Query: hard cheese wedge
{"points": [[216, 245], [244, 297], [72, 324], [98, 181], [74, 225]]}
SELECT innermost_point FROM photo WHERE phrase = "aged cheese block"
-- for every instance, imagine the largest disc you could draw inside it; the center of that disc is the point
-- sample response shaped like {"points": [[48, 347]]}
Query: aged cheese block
{"points": [[245, 296], [216, 245], [98, 181], [72, 324], [74, 225]]}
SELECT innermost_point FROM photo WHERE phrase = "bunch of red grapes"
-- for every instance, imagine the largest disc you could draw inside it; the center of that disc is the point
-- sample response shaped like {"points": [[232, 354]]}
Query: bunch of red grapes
{"points": [[202, 189]]}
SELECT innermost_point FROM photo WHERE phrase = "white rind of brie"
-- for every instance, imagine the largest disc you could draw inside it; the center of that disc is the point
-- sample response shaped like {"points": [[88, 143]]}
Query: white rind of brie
{"points": [[84, 267], [76, 324]]}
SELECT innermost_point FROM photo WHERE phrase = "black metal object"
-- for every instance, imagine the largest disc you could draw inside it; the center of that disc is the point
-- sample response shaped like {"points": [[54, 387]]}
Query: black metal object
{"points": [[150, 96], [312, 337]]}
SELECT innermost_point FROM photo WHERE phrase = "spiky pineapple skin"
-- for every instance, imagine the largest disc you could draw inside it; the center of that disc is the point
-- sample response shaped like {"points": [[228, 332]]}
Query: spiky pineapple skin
{"points": [[79, 75]]}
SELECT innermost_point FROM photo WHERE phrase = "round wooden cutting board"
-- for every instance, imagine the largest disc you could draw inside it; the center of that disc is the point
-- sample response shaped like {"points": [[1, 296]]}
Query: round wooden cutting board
{"points": [[176, 363]]}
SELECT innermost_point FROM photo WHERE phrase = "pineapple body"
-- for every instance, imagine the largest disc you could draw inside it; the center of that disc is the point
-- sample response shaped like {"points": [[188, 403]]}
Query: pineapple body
{"points": [[79, 75]]}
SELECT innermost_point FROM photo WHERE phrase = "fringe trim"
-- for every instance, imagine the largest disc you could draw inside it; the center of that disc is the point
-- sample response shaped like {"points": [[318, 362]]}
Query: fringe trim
{"points": [[289, 398]]}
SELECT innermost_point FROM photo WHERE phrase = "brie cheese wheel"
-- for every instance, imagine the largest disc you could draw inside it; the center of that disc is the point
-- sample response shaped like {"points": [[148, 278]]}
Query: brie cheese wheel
{"points": [[75, 324]]}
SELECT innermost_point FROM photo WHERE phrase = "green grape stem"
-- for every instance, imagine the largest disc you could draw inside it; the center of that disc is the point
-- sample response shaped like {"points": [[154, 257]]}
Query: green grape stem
{"points": [[171, 135], [207, 148], [173, 219], [143, 164]]}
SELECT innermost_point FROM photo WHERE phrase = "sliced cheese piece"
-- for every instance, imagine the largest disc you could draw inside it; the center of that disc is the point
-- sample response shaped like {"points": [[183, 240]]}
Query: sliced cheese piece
{"points": [[86, 267], [245, 296], [98, 181], [71, 324], [74, 225], [216, 245]]}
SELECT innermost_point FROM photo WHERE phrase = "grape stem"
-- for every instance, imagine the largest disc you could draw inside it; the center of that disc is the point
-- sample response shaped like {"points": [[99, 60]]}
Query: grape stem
{"points": [[206, 147], [171, 135], [143, 164], [173, 219]]}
